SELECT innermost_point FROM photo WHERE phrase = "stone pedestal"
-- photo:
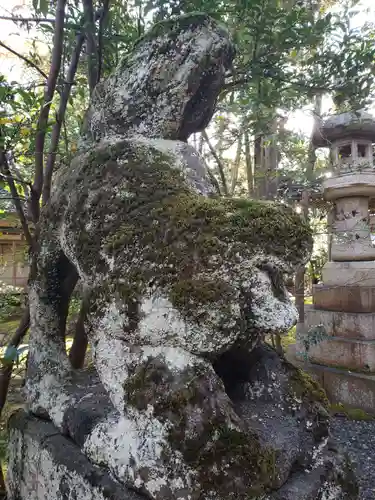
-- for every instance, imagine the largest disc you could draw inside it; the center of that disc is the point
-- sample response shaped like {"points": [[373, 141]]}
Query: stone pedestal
{"points": [[359, 273], [355, 390], [345, 362], [44, 465]]}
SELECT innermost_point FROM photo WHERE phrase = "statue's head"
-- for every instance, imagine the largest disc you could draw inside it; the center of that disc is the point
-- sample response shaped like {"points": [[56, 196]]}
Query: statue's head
{"points": [[168, 86]]}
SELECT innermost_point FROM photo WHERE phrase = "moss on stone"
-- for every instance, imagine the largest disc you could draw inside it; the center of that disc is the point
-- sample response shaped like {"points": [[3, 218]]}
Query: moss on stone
{"points": [[215, 443], [175, 25], [308, 389], [168, 234], [242, 452], [350, 413], [187, 294]]}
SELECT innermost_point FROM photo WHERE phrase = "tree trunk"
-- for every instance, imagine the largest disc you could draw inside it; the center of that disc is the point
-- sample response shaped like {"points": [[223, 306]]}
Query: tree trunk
{"points": [[259, 177], [6, 375], [309, 173], [236, 165], [270, 159], [219, 163], [249, 166], [300, 274]]}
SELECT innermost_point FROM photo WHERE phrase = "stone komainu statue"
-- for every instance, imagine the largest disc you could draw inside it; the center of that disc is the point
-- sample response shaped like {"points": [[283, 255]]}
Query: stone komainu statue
{"points": [[183, 287]]}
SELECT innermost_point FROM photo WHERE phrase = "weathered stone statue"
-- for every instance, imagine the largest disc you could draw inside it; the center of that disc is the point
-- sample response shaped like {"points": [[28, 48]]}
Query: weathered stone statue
{"points": [[183, 288]]}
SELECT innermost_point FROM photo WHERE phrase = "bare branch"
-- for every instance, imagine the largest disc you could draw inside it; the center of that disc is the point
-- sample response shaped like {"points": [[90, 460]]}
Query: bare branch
{"points": [[214, 181], [92, 55], [16, 199], [25, 59], [56, 131], [102, 20], [51, 20], [7, 198], [21, 19], [218, 161], [37, 187], [235, 83], [15, 179]]}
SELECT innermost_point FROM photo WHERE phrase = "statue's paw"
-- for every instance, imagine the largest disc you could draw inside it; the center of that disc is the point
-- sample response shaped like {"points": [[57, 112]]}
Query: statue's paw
{"points": [[162, 462], [177, 435], [48, 388], [49, 398]]}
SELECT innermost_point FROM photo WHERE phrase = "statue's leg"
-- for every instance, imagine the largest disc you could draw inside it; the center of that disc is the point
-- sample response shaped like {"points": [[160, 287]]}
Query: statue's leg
{"points": [[53, 280], [176, 426]]}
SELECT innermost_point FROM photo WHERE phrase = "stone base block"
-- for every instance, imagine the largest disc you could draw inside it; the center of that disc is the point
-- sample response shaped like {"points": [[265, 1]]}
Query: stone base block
{"points": [[349, 185], [351, 299], [44, 465], [357, 355], [354, 390], [361, 273], [342, 324]]}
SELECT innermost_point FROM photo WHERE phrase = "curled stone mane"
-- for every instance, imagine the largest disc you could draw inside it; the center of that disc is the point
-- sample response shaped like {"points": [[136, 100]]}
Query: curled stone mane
{"points": [[182, 287], [159, 90]]}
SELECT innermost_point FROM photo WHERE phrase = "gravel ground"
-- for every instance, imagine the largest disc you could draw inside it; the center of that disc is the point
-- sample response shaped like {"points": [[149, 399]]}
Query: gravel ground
{"points": [[358, 440]]}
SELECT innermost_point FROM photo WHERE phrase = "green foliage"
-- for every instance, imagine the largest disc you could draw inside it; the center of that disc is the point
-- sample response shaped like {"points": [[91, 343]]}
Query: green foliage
{"points": [[313, 337], [19, 109], [14, 354], [315, 265], [11, 301], [74, 306]]}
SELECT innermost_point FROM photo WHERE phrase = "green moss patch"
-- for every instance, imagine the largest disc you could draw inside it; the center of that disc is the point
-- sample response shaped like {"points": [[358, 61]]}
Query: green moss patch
{"points": [[350, 413], [145, 217], [308, 389], [173, 27]]}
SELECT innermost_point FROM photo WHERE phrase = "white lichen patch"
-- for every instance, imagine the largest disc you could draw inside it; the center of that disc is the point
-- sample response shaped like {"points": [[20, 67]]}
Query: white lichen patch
{"points": [[270, 313], [133, 447], [161, 323], [110, 352], [317, 453], [33, 473], [331, 492], [50, 395], [46, 389]]}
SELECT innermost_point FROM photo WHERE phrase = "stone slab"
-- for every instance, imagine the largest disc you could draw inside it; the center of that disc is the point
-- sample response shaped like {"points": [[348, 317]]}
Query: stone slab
{"points": [[355, 184], [342, 324], [354, 390], [358, 355], [350, 299], [44, 465], [339, 352], [360, 273]]}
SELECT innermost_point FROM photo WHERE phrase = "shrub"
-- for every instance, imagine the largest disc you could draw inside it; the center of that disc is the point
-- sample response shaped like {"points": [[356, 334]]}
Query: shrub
{"points": [[12, 299]]}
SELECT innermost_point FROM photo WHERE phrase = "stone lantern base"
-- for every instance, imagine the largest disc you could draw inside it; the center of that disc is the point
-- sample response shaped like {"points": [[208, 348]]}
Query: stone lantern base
{"points": [[355, 273], [352, 389], [345, 362]]}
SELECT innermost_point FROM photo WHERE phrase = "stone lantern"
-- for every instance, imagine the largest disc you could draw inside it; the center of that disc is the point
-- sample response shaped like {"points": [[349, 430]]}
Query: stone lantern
{"points": [[351, 188], [345, 302]]}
